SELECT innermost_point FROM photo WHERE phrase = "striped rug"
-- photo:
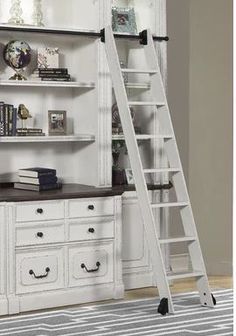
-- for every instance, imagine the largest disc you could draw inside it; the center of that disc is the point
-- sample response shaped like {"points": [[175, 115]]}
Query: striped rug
{"points": [[128, 318]]}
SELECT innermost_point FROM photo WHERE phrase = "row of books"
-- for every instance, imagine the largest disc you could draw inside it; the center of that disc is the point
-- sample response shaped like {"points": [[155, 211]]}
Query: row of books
{"points": [[37, 179], [8, 120], [51, 74]]}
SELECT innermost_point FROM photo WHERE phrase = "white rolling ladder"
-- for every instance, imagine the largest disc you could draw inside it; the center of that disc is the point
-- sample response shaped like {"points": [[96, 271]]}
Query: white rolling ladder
{"points": [[170, 146]]}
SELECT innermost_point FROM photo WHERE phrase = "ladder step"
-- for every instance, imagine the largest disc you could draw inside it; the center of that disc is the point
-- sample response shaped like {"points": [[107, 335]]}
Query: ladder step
{"points": [[169, 205], [143, 136], [144, 71], [177, 240], [146, 103], [183, 275], [161, 170]]}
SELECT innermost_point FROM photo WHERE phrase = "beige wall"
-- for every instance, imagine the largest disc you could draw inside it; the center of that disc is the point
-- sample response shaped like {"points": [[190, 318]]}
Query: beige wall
{"points": [[200, 96], [210, 129]]}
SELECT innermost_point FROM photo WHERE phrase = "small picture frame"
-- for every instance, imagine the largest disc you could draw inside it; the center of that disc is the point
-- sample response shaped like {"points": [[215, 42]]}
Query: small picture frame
{"points": [[123, 20], [57, 122], [129, 176]]}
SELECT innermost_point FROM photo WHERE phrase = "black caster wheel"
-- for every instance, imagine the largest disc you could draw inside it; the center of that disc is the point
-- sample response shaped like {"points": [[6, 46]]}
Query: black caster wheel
{"points": [[213, 298], [163, 307]]}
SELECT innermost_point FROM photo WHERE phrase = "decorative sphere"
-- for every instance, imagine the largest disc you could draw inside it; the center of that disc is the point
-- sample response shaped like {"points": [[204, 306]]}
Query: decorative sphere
{"points": [[17, 54]]}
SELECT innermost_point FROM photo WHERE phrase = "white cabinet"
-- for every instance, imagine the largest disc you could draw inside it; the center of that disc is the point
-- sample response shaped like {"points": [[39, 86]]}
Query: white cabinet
{"points": [[3, 264], [72, 260]]}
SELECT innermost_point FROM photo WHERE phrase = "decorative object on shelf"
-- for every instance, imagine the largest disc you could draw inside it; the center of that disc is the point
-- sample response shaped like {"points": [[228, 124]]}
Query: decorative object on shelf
{"points": [[116, 123], [48, 58], [118, 174], [51, 74], [123, 65], [16, 13], [123, 20], [37, 13], [23, 114], [129, 176], [57, 122], [17, 55]]}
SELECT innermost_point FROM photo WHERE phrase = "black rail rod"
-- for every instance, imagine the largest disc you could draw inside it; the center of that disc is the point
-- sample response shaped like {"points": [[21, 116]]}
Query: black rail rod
{"points": [[76, 33]]}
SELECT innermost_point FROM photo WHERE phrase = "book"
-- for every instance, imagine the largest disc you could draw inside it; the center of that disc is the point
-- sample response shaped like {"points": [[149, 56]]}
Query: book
{"points": [[29, 130], [37, 172], [14, 121], [33, 187], [43, 75], [38, 181], [2, 123], [30, 134], [62, 79], [59, 71]]}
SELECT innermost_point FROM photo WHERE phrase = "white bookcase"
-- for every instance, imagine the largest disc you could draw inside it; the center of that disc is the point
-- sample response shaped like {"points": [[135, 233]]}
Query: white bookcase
{"points": [[84, 155]]}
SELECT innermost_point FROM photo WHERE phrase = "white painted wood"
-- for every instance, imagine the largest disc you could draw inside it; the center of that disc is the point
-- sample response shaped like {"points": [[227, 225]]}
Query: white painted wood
{"points": [[48, 139], [101, 228], [40, 211], [49, 84], [143, 136], [38, 261], [40, 233], [136, 164], [3, 265], [138, 71], [91, 207], [170, 205], [90, 254], [151, 103], [177, 276], [177, 240], [179, 180]]}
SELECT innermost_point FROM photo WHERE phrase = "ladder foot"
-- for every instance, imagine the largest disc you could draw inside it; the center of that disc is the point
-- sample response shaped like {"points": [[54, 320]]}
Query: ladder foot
{"points": [[163, 307], [214, 299]]}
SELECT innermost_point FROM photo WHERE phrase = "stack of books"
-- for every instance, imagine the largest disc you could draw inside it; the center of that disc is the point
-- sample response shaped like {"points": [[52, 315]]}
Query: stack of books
{"points": [[37, 179], [51, 74], [8, 119]]}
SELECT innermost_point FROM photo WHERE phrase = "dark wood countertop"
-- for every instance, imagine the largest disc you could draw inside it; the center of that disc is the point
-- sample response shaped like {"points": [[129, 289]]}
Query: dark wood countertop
{"points": [[68, 191]]}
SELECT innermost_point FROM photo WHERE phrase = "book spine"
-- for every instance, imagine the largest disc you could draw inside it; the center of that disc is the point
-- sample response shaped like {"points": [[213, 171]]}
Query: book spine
{"points": [[6, 120], [10, 119], [14, 121], [49, 186], [2, 127], [52, 71], [42, 75], [55, 79]]}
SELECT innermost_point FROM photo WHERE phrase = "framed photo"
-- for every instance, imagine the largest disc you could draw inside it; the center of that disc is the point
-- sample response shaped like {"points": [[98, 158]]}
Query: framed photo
{"points": [[129, 176], [123, 20], [57, 122]]}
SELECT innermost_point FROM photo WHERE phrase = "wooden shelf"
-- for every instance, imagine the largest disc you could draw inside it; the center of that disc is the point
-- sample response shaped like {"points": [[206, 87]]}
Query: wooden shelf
{"points": [[65, 138], [53, 84], [143, 137], [139, 86]]}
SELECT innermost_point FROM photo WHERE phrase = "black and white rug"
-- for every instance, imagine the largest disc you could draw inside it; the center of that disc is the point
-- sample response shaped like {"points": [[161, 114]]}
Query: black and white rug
{"points": [[129, 318]]}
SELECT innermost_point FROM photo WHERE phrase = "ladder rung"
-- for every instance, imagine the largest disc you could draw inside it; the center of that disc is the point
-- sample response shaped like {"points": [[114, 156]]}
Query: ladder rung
{"points": [[176, 240], [144, 71], [161, 170], [144, 136], [146, 103], [169, 205], [183, 275]]}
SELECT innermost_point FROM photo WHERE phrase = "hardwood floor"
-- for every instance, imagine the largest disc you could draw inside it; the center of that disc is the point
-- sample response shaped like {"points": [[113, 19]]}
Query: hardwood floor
{"points": [[216, 282]]}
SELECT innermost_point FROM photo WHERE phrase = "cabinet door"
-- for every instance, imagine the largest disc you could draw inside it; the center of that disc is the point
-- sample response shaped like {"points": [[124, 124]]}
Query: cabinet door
{"points": [[135, 256], [2, 250]]}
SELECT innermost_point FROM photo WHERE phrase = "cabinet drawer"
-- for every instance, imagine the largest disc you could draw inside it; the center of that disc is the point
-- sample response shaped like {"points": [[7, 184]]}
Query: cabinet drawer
{"points": [[91, 207], [90, 230], [91, 264], [39, 271], [38, 211], [40, 233]]}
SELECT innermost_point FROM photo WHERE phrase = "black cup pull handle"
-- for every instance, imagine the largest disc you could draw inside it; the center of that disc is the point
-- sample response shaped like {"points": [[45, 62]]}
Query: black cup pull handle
{"points": [[91, 270], [40, 211], [91, 207], [91, 230], [47, 270], [40, 234]]}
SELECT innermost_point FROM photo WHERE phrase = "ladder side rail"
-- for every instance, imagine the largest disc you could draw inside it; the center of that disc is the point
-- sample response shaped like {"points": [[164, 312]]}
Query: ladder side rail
{"points": [[179, 180], [136, 165]]}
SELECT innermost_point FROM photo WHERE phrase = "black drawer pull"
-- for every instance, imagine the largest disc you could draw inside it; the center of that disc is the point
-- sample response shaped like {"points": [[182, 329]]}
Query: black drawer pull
{"points": [[91, 207], [40, 234], [91, 230], [47, 270], [91, 270], [39, 210]]}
